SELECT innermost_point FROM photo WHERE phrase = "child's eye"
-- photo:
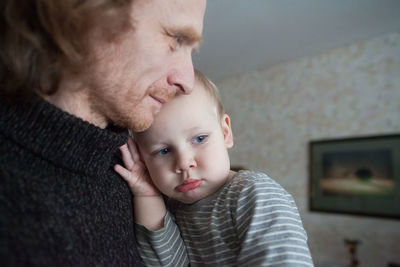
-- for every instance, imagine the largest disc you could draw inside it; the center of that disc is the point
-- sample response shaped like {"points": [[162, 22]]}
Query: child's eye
{"points": [[199, 139], [163, 151]]}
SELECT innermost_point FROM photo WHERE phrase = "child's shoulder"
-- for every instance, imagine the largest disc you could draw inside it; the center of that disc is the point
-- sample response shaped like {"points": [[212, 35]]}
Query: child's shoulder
{"points": [[246, 178], [251, 182], [255, 187]]}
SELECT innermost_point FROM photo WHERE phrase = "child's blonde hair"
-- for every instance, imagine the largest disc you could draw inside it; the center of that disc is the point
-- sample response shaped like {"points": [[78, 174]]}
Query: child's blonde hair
{"points": [[212, 89]]}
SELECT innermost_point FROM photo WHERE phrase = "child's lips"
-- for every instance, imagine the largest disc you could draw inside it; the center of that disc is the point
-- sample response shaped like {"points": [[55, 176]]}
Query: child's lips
{"points": [[188, 184]]}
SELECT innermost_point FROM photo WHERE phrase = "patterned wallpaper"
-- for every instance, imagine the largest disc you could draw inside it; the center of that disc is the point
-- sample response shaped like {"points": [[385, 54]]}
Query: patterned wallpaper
{"points": [[350, 91]]}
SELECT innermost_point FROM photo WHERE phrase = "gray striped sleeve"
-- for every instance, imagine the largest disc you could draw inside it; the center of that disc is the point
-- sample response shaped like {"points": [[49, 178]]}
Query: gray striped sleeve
{"points": [[268, 225], [164, 247]]}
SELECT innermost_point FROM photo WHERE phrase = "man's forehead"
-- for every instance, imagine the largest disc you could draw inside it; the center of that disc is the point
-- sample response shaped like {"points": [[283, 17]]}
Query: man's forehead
{"points": [[186, 18]]}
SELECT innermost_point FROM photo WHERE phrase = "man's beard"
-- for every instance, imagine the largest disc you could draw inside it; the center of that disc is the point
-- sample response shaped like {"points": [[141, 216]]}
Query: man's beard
{"points": [[120, 111]]}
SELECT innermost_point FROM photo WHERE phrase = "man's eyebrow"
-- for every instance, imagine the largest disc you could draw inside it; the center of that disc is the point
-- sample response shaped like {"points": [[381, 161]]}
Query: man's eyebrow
{"points": [[189, 34]]}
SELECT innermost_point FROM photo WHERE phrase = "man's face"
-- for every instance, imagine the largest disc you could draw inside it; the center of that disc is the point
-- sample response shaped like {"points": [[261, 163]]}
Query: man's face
{"points": [[185, 149], [135, 74]]}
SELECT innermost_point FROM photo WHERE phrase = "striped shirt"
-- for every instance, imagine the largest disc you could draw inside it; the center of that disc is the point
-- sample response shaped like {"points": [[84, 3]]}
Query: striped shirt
{"points": [[250, 221]]}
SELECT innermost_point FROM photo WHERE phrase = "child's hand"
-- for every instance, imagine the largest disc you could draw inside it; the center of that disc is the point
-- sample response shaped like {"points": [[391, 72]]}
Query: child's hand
{"points": [[135, 172]]}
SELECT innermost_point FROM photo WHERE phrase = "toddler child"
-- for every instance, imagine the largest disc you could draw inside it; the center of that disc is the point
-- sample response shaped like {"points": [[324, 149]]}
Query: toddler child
{"points": [[224, 218]]}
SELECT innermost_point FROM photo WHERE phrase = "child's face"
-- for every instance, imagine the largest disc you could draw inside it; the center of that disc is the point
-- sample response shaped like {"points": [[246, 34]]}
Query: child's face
{"points": [[185, 149]]}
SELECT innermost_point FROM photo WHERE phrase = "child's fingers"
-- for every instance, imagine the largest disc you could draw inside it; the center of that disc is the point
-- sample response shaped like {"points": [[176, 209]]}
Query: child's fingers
{"points": [[134, 150], [126, 157], [128, 177]]}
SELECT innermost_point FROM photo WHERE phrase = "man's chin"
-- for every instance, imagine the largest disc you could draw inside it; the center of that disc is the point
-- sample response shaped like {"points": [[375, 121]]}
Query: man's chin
{"points": [[137, 121], [139, 126]]}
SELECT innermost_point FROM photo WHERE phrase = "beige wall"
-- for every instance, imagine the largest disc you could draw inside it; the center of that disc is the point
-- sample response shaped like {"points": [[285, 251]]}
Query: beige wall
{"points": [[350, 91]]}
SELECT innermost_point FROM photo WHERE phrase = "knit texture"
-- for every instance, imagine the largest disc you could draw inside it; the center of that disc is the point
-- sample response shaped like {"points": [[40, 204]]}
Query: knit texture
{"points": [[61, 203]]}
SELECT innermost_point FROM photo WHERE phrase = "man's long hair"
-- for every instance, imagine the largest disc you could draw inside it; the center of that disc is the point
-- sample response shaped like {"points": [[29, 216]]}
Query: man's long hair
{"points": [[41, 39]]}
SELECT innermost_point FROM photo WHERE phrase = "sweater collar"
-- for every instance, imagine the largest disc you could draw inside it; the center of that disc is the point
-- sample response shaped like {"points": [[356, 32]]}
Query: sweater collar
{"points": [[59, 137]]}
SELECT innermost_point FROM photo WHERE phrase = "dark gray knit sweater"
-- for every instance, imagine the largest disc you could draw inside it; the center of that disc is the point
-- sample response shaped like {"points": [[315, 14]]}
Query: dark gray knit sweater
{"points": [[61, 204]]}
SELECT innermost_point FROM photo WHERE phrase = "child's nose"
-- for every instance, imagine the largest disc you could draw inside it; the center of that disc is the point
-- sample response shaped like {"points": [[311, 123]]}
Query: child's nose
{"points": [[185, 161]]}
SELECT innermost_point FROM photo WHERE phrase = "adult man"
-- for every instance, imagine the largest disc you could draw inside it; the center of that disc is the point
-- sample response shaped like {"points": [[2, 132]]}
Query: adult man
{"points": [[73, 74]]}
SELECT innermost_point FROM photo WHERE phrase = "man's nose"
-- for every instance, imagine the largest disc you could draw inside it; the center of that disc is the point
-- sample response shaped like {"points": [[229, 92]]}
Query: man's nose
{"points": [[184, 162], [182, 75]]}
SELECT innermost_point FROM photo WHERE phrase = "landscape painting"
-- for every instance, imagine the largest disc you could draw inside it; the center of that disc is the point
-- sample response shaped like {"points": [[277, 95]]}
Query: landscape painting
{"points": [[356, 175], [359, 173]]}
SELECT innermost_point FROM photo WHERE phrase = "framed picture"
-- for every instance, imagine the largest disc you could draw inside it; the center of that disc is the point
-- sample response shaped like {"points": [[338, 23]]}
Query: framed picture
{"points": [[356, 175]]}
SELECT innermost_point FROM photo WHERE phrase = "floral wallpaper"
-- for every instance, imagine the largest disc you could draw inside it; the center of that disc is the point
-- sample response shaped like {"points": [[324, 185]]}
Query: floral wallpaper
{"points": [[349, 91]]}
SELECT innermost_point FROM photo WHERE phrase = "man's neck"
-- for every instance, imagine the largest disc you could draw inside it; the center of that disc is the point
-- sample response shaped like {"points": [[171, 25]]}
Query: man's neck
{"points": [[75, 102]]}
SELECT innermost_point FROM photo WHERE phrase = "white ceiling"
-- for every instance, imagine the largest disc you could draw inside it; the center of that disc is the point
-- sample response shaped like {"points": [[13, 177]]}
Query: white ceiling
{"points": [[244, 35]]}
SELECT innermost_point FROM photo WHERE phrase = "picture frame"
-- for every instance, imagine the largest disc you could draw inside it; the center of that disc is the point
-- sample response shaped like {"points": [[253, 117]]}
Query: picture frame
{"points": [[356, 175]]}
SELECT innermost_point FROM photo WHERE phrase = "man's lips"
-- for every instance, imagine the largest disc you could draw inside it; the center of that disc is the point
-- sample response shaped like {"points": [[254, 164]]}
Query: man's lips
{"points": [[188, 184], [158, 99]]}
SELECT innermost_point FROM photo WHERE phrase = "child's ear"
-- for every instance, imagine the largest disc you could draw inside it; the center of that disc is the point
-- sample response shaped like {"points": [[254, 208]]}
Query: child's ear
{"points": [[227, 130]]}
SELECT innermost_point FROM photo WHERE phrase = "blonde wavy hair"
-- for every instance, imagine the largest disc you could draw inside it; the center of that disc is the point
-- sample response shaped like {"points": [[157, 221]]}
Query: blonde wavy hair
{"points": [[211, 89]]}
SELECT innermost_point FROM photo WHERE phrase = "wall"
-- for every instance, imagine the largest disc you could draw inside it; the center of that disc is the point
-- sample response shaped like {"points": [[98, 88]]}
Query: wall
{"points": [[350, 91]]}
